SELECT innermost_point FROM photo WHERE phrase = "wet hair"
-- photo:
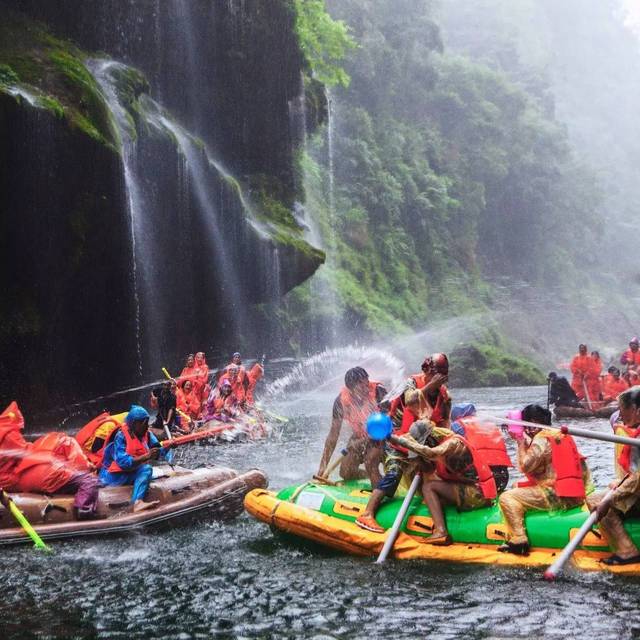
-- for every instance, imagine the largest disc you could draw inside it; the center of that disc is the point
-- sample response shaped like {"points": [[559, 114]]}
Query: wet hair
{"points": [[613, 369], [552, 375], [355, 375], [536, 413], [630, 398]]}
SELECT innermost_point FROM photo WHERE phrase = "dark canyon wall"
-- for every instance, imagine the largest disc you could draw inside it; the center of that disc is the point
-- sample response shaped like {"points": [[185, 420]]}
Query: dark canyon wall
{"points": [[143, 213]]}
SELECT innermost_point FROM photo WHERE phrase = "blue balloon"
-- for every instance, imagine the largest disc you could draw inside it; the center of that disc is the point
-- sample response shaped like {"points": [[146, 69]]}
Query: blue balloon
{"points": [[379, 426]]}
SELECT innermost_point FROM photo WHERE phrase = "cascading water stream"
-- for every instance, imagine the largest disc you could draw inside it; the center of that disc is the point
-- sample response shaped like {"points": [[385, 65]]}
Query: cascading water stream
{"points": [[101, 71]]}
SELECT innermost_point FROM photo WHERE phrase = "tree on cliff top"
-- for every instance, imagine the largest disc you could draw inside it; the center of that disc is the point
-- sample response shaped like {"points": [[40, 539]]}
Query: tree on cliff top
{"points": [[324, 41]]}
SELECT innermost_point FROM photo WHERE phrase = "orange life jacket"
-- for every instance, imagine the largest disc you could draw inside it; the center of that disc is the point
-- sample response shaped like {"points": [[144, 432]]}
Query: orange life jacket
{"points": [[86, 436], [487, 440], [486, 482], [632, 358], [567, 465], [624, 453], [135, 447], [612, 388], [356, 411]]}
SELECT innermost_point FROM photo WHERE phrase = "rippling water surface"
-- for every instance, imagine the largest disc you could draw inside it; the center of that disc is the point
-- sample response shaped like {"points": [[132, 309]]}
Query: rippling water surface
{"points": [[238, 580]]}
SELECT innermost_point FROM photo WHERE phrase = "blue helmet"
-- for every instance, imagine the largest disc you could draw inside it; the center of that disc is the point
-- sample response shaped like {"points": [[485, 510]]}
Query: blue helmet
{"points": [[136, 412]]}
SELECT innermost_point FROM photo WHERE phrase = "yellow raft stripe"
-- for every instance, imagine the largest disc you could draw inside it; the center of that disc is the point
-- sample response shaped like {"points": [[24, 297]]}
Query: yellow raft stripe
{"points": [[348, 537]]}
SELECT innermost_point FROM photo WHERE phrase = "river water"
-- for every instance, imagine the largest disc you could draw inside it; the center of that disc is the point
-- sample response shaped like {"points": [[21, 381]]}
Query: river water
{"points": [[239, 580]]}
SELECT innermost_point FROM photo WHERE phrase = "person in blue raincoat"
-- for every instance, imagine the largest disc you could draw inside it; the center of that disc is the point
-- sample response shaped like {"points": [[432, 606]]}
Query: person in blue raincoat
{"points": [[127, 454]]}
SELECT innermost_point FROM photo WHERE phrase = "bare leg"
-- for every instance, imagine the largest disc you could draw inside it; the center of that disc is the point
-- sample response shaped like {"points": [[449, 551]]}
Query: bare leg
{"points": [[373, 457], [435, 492], [350, 466]]}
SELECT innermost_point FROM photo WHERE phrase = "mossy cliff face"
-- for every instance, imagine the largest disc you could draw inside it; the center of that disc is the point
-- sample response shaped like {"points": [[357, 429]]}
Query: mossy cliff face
{"points": [[68, 328], [67, 297]]}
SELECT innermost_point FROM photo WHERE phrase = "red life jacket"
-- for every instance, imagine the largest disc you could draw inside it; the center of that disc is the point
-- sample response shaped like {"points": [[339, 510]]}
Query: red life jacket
{"points": [[135, 447], [88, 431], [632, 358], [487, 440], [624, 455], [356, 411], [486, 482], [567, 465]]}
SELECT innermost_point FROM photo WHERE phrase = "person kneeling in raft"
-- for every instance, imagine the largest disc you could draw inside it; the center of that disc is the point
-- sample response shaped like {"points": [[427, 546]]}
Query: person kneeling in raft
{"points": [[130, 447], [557, 476], [464, 476], [626, 499]]}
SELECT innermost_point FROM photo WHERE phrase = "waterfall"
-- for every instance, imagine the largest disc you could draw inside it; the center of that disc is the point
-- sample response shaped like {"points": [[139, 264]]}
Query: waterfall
{"points": [[101, 71], [330, 165]]}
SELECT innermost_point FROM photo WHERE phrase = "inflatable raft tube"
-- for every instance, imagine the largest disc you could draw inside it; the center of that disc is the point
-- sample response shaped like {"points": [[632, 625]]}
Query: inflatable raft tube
{"points": [[580, 412], [184, 494], [326, 515]]}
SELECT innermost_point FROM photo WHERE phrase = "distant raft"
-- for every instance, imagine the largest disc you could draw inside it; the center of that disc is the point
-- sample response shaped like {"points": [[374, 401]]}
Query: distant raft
{"points": [[581, 412], [326, 515], [183, 494]]}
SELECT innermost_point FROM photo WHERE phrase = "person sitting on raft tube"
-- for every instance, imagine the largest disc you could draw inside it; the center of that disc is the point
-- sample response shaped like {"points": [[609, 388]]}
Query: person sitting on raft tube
{"points": [[130, 448], [222, 403], [54, 463], [561, 393], [465, 477], [188, 401], [201, 377], [557, 476], [631, 357], [425, 396], [356, 401], [164, 398], [613, 385], [626, 499], [237, 376]]}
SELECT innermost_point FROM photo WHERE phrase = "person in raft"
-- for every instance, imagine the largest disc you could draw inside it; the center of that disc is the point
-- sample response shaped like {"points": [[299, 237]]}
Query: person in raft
{"points": [[561, 394], [126, 456], [557, 476], [425, 396], [631, 357], [222, 403], [464, 475], [356, 401], [626, 499], [580, 366], [613, 385], [164, 398]]}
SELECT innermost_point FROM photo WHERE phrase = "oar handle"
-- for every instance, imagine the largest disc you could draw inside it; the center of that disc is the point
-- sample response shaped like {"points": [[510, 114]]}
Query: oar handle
{"points": [[393, 532], [198, 435], [573, 431]]}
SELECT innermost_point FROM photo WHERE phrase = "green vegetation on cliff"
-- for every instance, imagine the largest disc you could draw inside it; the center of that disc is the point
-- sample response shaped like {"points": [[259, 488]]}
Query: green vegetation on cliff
{"points": [[447, 176], [50, 73]]}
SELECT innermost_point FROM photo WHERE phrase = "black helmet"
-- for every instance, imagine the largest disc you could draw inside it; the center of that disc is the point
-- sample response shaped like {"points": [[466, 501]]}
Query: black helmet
{"points": [[355, 375]]}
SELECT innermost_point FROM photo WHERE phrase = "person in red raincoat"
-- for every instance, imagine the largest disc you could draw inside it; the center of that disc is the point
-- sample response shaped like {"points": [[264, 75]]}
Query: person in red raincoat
{"points": [[613, 385], [54, 463], [580, 366], [201, 376], [187, 400]]}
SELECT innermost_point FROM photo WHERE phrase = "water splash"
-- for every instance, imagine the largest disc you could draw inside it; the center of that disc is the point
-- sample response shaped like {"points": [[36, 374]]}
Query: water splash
{"points": [[324, 371]]}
